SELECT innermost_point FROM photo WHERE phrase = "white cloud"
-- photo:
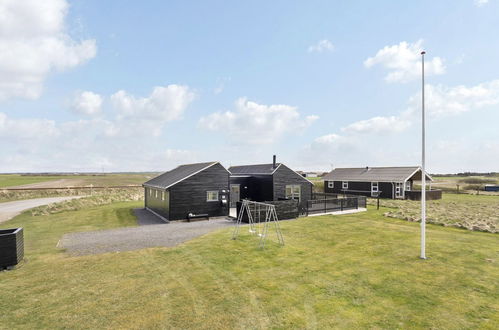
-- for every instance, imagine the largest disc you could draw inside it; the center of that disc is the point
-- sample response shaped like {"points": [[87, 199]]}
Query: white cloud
{"points": [[376, 125], [321, 46], [480, 3], [87, 103], [83, 145], [111, 140], [404, 62], [441, 101], [221, 84], [330, 139], [445, 101], [257, 123], [164, 104], [22, 129], [34, 43]]}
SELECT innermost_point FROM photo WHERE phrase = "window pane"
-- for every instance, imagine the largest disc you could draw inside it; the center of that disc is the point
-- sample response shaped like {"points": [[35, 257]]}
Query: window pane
{"points": [[212, 196]]}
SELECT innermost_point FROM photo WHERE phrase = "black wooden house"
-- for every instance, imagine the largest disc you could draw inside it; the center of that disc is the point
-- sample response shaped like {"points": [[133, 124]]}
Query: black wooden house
{"points": [[200, 188], [387, 182], [268, 182]]}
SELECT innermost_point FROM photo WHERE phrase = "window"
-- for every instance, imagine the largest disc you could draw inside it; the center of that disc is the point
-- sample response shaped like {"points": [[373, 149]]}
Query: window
{"points": [[408, 185], [374, 189], [330, 184], [162, 195], [344, 185], [398, 189], [212, 196], [155, 194], [293, 191]]}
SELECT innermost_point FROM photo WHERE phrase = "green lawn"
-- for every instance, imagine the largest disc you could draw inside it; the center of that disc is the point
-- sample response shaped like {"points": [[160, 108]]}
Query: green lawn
{"points": [[353, 271]]}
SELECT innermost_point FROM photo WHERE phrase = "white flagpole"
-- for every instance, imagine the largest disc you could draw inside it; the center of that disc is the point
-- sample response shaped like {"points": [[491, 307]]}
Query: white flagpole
{"points": [[423, 169]]}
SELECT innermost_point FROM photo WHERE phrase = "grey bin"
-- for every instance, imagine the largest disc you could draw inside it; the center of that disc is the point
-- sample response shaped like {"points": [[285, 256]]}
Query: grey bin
{"points": [[11, 247]]}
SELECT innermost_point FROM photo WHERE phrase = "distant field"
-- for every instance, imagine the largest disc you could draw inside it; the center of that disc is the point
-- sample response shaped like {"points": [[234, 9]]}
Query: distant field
{"points": [[8, 180], [450, 183], [473, 212], [358, 271], [62, 181]]}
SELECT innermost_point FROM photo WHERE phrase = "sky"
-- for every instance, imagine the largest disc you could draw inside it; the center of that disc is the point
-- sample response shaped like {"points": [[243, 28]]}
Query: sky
{"points": [[91, 86]]}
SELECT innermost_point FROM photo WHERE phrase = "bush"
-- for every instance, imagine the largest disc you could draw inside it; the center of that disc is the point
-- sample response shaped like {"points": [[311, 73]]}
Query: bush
{"points": [[318, 186]]}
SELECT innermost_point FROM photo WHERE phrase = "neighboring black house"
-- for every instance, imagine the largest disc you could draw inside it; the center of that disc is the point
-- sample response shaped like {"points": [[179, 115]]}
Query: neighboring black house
{"points": [[194, 188], [268, 182], [389, 182]]}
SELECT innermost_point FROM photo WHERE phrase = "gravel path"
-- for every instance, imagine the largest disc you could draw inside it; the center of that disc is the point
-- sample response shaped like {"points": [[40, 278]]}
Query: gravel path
{"points": [[8, 210], [146, 218], [135, 238]]}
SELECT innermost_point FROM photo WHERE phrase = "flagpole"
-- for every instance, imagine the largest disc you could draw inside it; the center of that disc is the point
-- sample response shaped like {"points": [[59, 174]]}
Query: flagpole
{"points": [[423, 167]]}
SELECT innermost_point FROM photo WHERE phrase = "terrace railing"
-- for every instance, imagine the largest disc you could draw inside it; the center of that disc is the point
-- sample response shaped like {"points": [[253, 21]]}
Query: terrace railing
{"points": [[318, 206]]}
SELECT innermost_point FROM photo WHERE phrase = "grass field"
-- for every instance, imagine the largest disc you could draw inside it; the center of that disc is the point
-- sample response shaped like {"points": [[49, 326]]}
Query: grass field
{"points": [[110, 179], [473, 212], [466, 183], [8, 180], [354, 271]]}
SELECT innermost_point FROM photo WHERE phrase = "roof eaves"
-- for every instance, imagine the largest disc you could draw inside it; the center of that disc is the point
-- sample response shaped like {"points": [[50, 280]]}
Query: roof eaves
{"points": [[304, 178], [416, 171], [188, 176]]}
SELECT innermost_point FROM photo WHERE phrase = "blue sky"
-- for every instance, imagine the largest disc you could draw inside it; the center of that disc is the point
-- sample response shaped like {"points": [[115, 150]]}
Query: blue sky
{"points": [[135, 86]]}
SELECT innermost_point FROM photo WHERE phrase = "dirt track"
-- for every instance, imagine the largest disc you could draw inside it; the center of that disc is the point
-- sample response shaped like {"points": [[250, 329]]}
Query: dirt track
{"points": [[61, 183], [9, 210]]}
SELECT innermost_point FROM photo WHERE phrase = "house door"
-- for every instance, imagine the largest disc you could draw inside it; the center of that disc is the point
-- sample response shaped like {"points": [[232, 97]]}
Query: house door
{"points": [[235, 194], [398, 190]]}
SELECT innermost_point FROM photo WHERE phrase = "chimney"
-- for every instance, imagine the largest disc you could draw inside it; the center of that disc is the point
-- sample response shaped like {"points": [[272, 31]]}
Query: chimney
{"points": [[273, 162]]}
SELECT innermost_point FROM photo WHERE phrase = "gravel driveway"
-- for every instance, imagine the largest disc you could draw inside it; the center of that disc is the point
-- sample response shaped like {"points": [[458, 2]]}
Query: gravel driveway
{"points": [[8, 210], [134, 238]]}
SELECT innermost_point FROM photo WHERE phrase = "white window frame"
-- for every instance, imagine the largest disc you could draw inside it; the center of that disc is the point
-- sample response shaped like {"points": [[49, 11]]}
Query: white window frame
{"points": [[330, 184], [294, 194], [374, 189], [407, 186], [399, 186], [155, 194], [210, 198], [344, 185]]}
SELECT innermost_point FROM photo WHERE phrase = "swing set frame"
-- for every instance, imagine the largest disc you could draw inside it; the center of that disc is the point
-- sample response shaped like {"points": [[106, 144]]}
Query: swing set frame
{"points": [[255, 227]]}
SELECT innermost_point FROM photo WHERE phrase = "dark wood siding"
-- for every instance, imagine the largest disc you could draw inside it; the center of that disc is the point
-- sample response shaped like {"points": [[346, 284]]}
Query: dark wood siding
{"points": [[159, 204], [360, 188], [284, 209], [387, 190], [336, 187], [11, 247], [285, 176], [257, 188], [189, 196]]}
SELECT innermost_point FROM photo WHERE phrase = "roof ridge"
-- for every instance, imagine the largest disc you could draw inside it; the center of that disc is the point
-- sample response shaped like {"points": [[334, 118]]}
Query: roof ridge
{"points": [[337, 168], [253, 165]]}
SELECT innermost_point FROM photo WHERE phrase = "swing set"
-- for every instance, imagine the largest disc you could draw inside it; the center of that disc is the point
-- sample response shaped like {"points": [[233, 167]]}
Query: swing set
{"points": [[256, 225]]}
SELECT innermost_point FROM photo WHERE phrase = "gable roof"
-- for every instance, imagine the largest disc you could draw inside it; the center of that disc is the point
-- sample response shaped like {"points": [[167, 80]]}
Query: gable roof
{"points": [[373, 174], [258, 169], [178, 174]]}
